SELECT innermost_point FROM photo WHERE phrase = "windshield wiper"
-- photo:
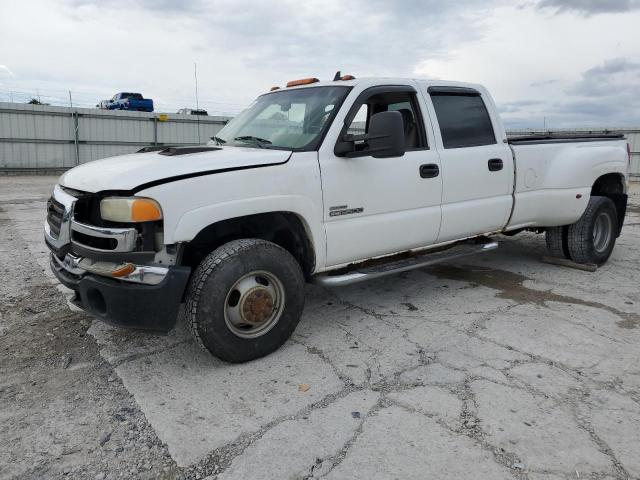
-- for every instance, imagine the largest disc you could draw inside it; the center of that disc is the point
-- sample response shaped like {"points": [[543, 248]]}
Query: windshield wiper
{"points": [[261, 142], [218, 140]]}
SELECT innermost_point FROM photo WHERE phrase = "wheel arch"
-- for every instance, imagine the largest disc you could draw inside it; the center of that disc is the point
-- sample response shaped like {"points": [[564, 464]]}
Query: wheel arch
{"points": [[613, 186], [286, 229]]}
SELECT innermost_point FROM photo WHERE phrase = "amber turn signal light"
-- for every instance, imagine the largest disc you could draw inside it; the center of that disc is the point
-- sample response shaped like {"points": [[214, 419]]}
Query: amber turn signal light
{"points": [[130, 209], [123, 270], [145, 210]]}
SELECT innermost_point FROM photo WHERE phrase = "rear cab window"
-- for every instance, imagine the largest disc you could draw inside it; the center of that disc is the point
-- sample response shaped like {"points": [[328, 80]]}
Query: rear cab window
{"points": [[463, 117]]}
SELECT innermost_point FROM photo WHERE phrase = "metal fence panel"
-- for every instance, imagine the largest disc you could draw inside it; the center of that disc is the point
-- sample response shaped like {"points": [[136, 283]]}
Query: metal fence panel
{"points": [[41, 137]]}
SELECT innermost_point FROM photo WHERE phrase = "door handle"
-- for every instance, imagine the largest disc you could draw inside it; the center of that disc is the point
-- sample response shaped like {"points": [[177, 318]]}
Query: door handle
{"points": [[429, 170], [495, 164]]}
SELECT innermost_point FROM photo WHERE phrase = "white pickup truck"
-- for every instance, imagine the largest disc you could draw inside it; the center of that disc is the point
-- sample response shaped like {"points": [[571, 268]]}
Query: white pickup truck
{"points": [[327, 182]]}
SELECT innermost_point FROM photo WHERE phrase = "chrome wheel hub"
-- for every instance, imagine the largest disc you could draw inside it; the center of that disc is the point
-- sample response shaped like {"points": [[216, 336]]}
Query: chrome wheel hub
{"points": [[254, 304], [602, 232]]}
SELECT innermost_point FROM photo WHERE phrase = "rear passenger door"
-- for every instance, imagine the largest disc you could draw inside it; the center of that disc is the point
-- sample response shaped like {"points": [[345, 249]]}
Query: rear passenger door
{"points": [[477, 166]]}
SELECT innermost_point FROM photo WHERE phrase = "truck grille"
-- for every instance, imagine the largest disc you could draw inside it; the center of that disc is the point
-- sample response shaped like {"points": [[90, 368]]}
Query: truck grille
{"points": [[55, 211]]}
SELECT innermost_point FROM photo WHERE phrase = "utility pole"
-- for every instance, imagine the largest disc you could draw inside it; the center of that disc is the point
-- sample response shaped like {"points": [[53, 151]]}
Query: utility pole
{"points": [[70, 100], [195, 75]]}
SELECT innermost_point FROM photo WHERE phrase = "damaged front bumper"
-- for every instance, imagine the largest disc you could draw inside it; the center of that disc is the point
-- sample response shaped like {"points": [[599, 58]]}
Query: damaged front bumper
{"points": [[152, 305], [119, 285]]}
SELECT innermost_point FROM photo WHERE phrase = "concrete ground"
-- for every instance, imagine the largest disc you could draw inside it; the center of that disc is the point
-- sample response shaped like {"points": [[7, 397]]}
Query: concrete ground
{"points": [[497, 366]]}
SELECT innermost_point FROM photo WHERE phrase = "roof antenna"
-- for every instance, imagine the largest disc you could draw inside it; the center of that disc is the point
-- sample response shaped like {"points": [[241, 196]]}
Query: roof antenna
{"points": [[337, 76]]}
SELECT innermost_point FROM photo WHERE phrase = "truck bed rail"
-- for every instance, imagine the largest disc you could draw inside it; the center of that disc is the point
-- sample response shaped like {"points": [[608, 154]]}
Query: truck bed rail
{"points": [[535, 139]]}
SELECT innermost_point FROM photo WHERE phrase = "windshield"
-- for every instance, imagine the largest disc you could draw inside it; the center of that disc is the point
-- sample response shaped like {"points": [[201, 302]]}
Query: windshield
{"points": [[287, 119]]}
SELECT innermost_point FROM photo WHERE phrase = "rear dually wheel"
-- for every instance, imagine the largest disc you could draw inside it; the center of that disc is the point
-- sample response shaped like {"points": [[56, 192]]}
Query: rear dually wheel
{"points": [[592, 238]]}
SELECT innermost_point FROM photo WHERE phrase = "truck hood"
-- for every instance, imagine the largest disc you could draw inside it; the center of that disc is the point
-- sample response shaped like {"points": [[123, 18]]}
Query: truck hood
{"points": [[127, 172]]}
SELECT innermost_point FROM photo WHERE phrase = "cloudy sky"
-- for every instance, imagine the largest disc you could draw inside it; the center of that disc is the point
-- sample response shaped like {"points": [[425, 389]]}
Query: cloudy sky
{"points": [[571, 63]]}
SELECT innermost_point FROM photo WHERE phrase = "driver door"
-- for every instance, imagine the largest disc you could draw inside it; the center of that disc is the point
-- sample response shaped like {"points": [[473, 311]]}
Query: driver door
{"points": [[379, 206]]}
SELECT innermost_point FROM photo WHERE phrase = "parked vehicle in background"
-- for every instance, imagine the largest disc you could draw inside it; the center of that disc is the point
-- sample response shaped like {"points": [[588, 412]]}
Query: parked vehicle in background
{"points": [[191, 111], [103, 105], [331, 182], [130, 101]]}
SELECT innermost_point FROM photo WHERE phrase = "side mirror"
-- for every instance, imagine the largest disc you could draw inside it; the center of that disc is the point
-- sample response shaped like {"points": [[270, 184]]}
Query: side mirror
{"points": [[386, 135], [384, 139]]}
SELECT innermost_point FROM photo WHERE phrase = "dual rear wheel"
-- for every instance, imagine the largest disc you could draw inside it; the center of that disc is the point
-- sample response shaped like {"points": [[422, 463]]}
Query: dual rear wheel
{"points": [[591, 239]]}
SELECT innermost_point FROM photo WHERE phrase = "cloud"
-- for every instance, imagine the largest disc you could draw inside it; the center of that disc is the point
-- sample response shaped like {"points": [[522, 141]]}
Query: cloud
{"points": [[371, 37], [536, 64], [544, 83], [589, 7], [609, 78], [606, 94], [5, 72], [518, 106]]}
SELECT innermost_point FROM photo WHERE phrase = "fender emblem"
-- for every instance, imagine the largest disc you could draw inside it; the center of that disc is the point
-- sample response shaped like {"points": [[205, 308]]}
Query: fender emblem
{"points": [[344, 210]]}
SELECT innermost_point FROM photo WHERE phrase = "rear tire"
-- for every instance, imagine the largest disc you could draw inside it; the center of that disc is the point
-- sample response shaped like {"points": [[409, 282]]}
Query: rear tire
{"points": [[556, 242], [245, 300], [592, 238]]}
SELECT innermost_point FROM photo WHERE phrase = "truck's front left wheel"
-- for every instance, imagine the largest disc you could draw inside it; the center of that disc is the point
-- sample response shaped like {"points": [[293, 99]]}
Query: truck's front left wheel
{"points": [[245, 300]]}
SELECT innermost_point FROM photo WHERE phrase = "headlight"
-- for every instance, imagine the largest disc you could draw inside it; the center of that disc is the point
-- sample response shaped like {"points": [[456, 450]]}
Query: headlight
{"points": [[133, 209]]}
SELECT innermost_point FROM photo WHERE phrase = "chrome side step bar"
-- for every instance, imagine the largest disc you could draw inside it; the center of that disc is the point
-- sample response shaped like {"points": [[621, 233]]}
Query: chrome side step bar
{"points": [[403, 265]]}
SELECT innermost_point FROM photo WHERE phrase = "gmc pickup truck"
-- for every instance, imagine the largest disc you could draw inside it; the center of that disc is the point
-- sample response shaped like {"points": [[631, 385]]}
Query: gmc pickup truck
{"points": [[327, 182]]}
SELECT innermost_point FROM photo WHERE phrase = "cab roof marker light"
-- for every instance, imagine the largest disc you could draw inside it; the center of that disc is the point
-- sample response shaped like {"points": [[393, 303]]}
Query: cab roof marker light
{"points": [[274, 88], [302, 81], [339, 77]]}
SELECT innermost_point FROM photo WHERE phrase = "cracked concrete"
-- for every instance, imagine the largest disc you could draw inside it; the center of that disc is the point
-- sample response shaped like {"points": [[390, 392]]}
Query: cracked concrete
{"points": [[497, 366]]}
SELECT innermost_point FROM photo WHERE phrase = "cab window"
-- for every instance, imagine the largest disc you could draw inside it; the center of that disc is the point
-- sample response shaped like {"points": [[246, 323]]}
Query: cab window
{"points": [[464, 120], [404, 102]]}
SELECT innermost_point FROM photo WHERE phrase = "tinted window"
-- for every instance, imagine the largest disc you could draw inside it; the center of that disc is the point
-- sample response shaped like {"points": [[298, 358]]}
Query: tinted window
{"points": [[464, 120]]}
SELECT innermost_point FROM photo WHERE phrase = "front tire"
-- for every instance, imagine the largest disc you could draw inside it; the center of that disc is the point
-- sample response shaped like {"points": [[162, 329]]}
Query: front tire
{"points": [[592, 238], [245, 300]]}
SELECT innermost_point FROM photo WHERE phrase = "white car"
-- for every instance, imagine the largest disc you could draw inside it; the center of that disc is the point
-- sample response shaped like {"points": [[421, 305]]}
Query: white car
{"points": [[331, 182]]}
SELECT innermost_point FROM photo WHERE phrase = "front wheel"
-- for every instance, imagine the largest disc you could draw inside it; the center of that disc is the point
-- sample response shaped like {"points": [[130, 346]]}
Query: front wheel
{"points": [[245, 300], [592, 238]]}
